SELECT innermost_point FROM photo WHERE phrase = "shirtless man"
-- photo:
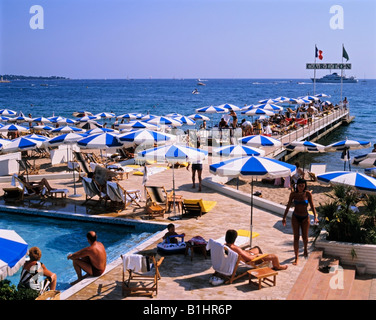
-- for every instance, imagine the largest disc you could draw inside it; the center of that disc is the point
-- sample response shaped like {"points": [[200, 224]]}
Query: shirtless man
{"points": [[91, 259], [248, 255]]}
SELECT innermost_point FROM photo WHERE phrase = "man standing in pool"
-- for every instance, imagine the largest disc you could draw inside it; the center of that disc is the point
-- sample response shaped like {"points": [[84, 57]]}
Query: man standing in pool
{"points": [[91, 259]]}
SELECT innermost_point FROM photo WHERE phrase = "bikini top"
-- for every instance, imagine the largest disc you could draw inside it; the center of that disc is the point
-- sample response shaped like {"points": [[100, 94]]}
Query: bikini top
{"points": [[305, 202]]}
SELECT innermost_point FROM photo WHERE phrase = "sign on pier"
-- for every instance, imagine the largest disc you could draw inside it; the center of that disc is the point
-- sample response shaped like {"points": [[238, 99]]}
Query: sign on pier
{"points": [[328, 66]]}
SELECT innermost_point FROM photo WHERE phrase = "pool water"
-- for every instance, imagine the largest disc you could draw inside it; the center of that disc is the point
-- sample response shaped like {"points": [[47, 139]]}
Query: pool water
{"points": [[57, 238]]}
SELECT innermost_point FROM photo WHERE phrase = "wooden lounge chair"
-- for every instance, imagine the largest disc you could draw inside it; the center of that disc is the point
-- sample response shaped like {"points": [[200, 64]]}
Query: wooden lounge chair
{"points": [[81, 160], [141, 281], [118, 196], [197, 207], [227, 264], [19, 191], [156, 201], [26, 168], [316, 169]]}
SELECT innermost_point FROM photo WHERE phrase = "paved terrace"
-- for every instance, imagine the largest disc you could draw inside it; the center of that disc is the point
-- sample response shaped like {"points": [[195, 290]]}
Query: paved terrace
{"points": [[181, 277]]}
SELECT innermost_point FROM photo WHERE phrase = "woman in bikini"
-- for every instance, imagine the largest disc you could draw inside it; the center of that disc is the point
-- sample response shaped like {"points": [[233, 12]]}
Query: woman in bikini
{"points": [[301, 197]]}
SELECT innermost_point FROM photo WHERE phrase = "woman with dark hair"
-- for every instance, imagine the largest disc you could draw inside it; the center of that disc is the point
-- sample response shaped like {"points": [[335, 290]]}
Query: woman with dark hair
{"points": [[300, 197]]}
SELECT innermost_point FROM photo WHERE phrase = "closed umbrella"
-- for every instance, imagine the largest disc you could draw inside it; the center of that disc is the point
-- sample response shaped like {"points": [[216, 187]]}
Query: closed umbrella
{"points": [[345, 146], [173, 154], [13, 251], [268, 101], [255, 167], [360, 181]]}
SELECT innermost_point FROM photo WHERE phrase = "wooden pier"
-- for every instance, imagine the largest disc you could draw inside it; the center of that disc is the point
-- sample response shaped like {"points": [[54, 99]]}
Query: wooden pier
{"points": [[320, 127]]}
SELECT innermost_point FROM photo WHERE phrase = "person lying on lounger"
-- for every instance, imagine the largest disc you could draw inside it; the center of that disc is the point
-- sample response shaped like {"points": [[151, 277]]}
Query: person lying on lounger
{"points": [[35, 187], [249, 255]]}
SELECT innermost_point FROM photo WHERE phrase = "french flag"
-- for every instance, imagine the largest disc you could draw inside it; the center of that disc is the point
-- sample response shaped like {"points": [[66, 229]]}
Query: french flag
{"points": [[318, 53]]}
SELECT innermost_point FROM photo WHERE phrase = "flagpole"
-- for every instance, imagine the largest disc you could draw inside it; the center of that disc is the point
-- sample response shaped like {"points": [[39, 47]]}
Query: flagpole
{"points": [[342, 73], [314, 73]]}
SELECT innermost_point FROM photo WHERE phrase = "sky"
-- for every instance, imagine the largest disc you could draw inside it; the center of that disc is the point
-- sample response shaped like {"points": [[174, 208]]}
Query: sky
{"points": [[103, 39]]}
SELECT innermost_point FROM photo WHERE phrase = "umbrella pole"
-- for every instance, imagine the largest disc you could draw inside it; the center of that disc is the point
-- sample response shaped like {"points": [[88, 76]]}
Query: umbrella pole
{"points": [[175, 217], [250, 234], [74, 195]]}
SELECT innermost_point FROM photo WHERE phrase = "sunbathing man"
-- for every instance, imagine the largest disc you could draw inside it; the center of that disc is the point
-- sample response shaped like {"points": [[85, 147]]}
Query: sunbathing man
{"points": [[91, 259], [248, 255]]}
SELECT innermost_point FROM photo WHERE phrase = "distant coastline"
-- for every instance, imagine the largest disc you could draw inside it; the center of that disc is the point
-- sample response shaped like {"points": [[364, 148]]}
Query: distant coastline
{"points": [[21, 77]]}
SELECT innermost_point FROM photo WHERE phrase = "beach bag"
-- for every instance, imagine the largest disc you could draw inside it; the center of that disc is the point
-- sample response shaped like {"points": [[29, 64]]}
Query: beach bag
{"points": [[197, 240]]}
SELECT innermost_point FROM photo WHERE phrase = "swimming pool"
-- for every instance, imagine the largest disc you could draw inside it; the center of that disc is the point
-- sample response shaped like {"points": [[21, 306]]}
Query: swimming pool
{"points": [[63, 234]]}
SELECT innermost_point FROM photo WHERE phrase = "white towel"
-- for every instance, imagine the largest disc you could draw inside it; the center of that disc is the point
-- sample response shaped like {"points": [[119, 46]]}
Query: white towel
{"points": [[222, 263], [133, 262]]}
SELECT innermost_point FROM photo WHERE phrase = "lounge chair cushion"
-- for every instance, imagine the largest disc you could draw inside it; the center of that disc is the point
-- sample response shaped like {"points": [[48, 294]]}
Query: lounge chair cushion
{"points": [[206, 205]]}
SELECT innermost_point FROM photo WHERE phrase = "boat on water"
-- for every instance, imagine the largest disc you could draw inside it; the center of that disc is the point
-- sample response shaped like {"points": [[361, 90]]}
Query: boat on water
{"points": [[195, 91], [3, 81], [335, 78]]}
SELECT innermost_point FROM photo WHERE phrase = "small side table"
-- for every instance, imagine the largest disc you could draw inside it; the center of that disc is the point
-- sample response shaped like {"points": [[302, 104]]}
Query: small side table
{"points": [[178, 202], [262, 275], [190, 246]]}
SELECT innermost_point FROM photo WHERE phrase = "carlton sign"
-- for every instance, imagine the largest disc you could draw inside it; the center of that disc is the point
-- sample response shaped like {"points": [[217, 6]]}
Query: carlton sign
{"points": [[328, 66]]}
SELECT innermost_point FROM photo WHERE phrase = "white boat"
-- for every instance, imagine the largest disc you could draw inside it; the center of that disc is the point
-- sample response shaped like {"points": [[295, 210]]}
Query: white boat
{"points": [[335, 78]]}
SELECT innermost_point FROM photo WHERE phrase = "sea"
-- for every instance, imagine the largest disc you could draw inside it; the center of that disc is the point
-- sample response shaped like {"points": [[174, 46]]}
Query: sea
{"points": [[163, 96]]}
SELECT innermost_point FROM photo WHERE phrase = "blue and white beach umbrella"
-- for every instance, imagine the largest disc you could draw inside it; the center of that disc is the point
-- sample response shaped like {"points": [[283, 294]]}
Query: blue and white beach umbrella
{"points": [[238, 151], [345, 146], [42, 120], [13, 128], [197, 116], [43, 128], [8, 112], [260, 141], [138, 125], [67, 138], [229, 107], [304, 146], [360, 181], [100, 141], [268, 106], [267, 101], [165, 121], [321, 95], [145, 136], [62, 120], [131, 116], [258, 112], [173, 153], [211, 109], [13, 251], [66, 129], [100, 130], [185, 120], [88, 118], [254, 167], [20, 119], [105, 115], [21, 144]]}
